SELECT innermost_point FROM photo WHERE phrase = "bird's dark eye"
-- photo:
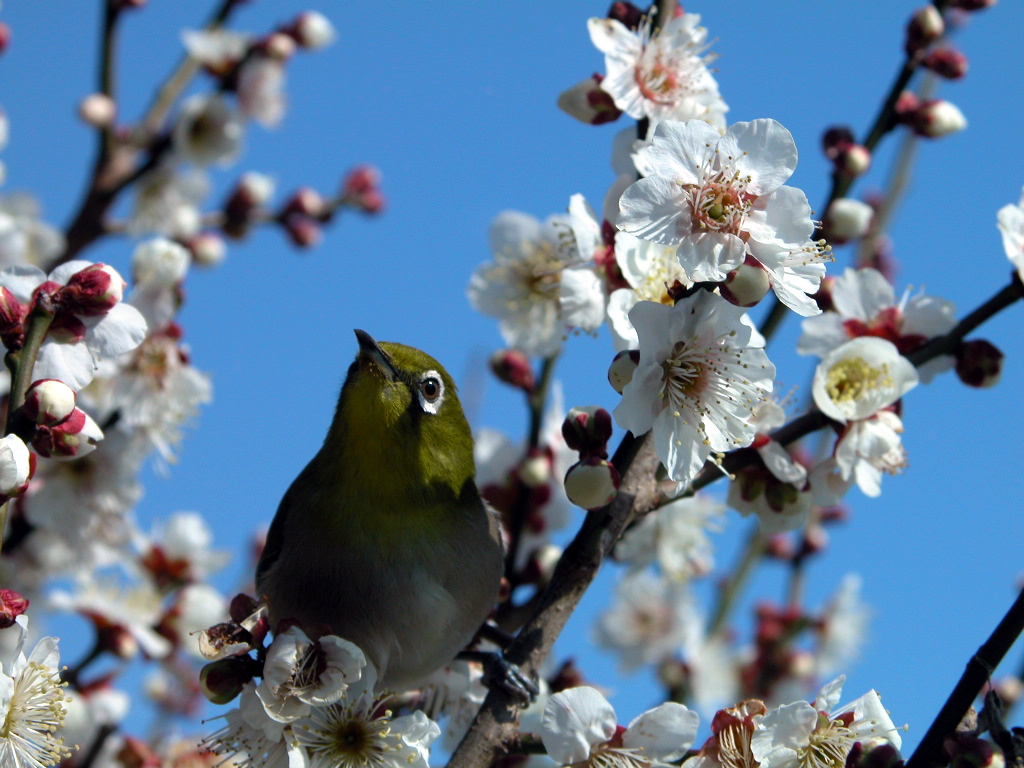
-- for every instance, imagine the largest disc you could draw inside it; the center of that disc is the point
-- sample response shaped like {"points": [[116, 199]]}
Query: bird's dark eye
{"points": [[431, 389]]}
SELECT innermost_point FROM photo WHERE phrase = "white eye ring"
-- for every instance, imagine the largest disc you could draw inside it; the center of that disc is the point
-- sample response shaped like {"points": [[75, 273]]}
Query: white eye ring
{"points": [[430, 391]]}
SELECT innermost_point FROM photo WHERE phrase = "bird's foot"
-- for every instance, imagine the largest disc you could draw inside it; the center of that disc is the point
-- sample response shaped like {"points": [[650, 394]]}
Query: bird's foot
{"points": [[504, 675]]}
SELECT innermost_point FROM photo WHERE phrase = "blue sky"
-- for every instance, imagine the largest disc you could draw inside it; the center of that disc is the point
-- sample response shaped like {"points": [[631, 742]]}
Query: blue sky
{"points": [[455, 104]]}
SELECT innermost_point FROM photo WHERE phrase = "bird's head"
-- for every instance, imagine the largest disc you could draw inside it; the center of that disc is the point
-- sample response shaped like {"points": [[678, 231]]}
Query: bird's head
{"points": [[400, 419]]}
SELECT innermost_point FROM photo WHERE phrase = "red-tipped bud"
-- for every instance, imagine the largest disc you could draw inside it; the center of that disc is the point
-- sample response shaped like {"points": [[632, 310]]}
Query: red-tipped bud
{"points": [[874, 753], [620, 372], [12, 605], [815, 539], [361, 189], [936, 118], [567, 676], [75, 437], [780, 547], [93, 291], [626, 13], [588, 103], [12, 312], [97, 110], [967, 750], [946, 62], [592, 483], [49, 402], [5, 38], [311, 30], [221, 681], [923, 29], [512, 367], [587, 431], [847, 219], [979, 363], [746, 285], [253, 191], [303, 231], [307, 202], [905, 106]]}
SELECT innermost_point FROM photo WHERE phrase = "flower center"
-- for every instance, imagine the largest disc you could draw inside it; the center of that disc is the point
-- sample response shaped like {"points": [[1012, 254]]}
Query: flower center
{"points": [[681, 377], [721, 202], [657, 83], [852, 378], [829, 745]]}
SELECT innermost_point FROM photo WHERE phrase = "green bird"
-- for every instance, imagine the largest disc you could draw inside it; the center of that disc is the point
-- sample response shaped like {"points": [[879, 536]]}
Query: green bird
{"points": [[383, 539]]}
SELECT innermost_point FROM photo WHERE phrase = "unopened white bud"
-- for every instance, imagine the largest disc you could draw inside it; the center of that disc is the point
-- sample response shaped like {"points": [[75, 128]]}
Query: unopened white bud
{"points": [[746, 285], [258, 188], [312, 30], [535, 470], [938, 118], [208, 249], [279, 46], [49, 402], [98, 110], [159, 263], [620, 372], [592, 483], [14, 465], [847, 219]]}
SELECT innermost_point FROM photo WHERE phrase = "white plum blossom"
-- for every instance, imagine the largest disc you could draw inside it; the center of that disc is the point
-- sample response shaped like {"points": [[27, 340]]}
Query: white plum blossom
{"points": [[579, 728], [522, 286], [843, 627], [861, 377], [675, 537], [868, 448], [800, 735], [650, 269], [79, 338], [662, 76], [698, 381], [24, 237], [721, 197], [864, 304], [216, 49], [1011, 224], [209, 131], [651, 619], [261, 81], [251, 739], [358, 730], [33, 703], [14, 464], [167, 202], [301, 673]]}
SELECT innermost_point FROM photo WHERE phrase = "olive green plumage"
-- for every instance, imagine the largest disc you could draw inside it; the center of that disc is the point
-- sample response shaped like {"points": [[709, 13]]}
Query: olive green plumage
{"points": [[383, 538]]}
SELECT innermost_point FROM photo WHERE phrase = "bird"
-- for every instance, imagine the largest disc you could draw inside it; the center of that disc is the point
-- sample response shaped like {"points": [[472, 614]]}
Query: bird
{"points": [[383, 539]]}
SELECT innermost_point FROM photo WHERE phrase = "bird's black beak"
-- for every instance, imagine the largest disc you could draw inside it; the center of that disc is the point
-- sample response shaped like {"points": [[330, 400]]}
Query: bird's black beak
{"points": [[370, 352]]}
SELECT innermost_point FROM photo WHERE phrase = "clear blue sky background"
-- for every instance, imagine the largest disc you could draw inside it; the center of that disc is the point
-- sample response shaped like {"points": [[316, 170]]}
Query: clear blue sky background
{"points": [[455, 103]]}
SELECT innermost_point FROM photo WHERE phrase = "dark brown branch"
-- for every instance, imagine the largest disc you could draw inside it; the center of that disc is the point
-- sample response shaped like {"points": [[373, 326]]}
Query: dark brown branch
{"points": [[929, 752]]}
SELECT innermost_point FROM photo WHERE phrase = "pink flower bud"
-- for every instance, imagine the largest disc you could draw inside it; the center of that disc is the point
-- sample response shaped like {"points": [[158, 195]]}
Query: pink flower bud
{"points": [[97, 110], [221, 681], [5, 37], [592, 483], [361, 189], [587, 431], [906, 104], [620, 372], [923, 29], [979, 363], [75, 437], [93, 291], [512, 367], [49, 402], [588, 103], [847, 219], [746, 285], [946, 62], [15, 465], [937, 118], [303, 231], [308, 202], [207, 248], [311, 30], [12, 605]]}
